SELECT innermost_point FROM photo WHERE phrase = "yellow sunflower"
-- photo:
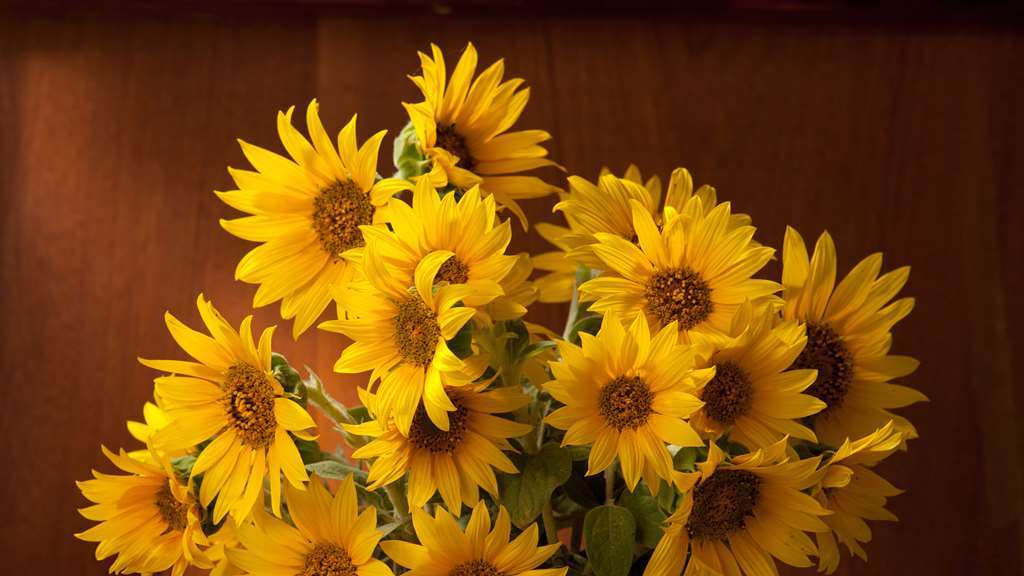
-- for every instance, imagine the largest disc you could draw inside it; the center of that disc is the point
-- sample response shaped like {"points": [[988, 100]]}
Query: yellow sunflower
{"points": [[559, 278], [627, 394], [855, 493], [401, 334], [454, 462], [605, 208], [306, 212], [231, 396], [224, 539], [735, 517], [753, 396], [147, 517], [467, 228], [696, 271], [330, 536], [848, 338], [479, 550], [518, 292], [154, 418], [462, 124]]}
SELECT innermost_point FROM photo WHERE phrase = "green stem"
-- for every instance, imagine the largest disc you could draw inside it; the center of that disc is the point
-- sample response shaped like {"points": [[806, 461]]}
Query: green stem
{"points": [[574, 311], [317, 395], [609, 484], [398, 501], [550, 528]]}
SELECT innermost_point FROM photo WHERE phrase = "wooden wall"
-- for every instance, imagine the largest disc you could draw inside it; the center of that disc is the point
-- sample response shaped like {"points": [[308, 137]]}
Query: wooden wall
{"points": [[115, 127]]}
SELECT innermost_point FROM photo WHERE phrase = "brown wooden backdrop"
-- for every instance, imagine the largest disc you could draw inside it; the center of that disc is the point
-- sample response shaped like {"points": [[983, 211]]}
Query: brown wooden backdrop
{"points": [[115, 127]]}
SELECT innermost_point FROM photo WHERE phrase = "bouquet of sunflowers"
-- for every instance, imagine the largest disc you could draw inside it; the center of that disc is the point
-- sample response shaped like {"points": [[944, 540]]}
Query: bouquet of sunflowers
{"points": [[690, 416]]}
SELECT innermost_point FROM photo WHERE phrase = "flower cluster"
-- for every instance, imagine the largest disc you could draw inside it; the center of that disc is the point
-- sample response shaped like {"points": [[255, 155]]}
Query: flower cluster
{"points": [[692, 416]]}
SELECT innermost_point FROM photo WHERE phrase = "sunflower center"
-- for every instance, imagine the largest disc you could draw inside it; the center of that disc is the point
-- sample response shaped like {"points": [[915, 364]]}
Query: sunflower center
{"points": [[416, 331], [328, 560], [453, 271], [826, 353], [625, 402], [249, 403], [423, 434], [455, 144], [338, 211], [679, 294], [722, 503], [174, 513], [729, 394], [475, 568]]}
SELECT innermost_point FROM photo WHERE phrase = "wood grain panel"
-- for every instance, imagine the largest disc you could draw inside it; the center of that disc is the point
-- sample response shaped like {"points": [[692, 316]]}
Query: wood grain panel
{"points": [[115, 128]]}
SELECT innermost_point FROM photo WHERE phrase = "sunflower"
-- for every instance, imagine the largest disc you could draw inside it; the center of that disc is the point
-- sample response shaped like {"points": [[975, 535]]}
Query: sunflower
{"points": [[224, 539], [559, 278], [467, 228], [518, 292], [401, 334], [753, 396], [627, 394], [454, 462], [306, 211], [154, 418], [848, 338], [231, 396], [855, 493], [330, 536], [735, 517], [479, 550], [147, 517], [461, 126], [696, 271]]}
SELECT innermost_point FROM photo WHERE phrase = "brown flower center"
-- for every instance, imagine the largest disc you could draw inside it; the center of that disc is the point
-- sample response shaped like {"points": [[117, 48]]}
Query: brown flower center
{"points": [[416, 331], [453, 271], [173, 512], [328, 560], [249, 403], [826, 353], [475, 568], [679, 294], [423, 434], [338, 211], [455, 144], [729, 394], [625, 402], [721, 504]]}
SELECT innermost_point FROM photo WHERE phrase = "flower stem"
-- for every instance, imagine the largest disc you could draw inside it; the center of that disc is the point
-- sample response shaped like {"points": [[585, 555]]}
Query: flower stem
{"points": [[609, 484], [398, 501], [550, 528]]}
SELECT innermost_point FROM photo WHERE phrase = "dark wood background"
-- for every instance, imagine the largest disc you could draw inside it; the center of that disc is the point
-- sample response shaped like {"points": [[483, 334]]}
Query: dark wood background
{"points": [[116, 126]]}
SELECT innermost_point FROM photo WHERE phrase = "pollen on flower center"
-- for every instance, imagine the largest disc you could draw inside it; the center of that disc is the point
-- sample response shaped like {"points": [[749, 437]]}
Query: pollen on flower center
{"points": [[173, 512], [423, 434], [826, 353], [249, 403], [453, 271], [625, 402], [729, 394], [722, 503], [679, 294], [338, 211], [416, 331], [455, 144], [475, 568], [328, 560]]}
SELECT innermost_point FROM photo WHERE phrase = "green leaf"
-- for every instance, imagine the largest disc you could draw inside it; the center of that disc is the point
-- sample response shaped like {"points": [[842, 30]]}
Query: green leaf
{"points": [[587, 324], [667, 497], [408, 157], [524, 494], [334, 470], [309, 450], [646, 512], [462, 343], [685, 459], [610, 533]]}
